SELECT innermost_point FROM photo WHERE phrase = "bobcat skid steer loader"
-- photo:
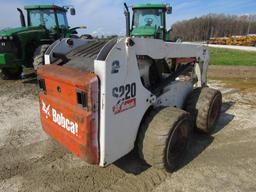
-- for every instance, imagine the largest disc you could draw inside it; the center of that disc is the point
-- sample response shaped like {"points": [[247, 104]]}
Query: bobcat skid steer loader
{"points": [[102, 98]]}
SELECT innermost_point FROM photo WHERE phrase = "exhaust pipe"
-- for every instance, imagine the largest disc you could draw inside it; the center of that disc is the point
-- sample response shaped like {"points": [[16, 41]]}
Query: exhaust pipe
{"points": [[22, 18], [127, 18]]}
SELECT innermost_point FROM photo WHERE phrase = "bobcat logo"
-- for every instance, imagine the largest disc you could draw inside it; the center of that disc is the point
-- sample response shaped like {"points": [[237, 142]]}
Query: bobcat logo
{"points": [[115, 67], [46, 109]]}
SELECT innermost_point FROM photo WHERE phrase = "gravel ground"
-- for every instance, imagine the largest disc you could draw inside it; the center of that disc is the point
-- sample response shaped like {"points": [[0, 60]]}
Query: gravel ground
{"points": [[31, 161]]}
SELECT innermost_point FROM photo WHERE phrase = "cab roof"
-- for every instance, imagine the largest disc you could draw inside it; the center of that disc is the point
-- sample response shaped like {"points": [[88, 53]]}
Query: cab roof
{"points": [[149, 6], [30, 7]]}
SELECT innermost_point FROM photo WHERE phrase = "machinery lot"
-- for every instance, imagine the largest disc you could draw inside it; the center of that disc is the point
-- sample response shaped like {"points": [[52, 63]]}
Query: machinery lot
{"points": [[225, 161]]}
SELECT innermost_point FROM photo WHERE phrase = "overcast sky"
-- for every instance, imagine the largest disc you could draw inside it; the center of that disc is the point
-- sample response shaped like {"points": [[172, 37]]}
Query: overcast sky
{"points": [[106, 16]]}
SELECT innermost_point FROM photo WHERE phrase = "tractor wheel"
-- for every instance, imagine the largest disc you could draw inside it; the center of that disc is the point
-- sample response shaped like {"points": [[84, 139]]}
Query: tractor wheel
{"points": [[163, 138], [39, 56], [12, 73], [204, 105]]}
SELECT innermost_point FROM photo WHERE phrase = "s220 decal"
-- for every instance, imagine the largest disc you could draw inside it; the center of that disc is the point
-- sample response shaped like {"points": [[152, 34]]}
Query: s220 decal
{"points": [[127, 91], [126, 95]]}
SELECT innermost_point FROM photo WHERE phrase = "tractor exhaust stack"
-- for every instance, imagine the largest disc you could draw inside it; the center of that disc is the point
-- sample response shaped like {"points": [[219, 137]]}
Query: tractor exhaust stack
{"points": [[127, 18], [22, 18]]}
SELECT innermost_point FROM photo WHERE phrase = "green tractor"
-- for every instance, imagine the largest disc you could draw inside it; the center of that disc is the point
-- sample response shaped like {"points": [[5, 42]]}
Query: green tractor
{"points": [[148, 21], [25, 46]]}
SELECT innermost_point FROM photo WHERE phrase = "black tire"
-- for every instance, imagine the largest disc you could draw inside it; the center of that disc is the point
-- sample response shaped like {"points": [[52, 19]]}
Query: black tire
{"points": [[12, 73], [163, 138], [39, 56], [204, 105]]}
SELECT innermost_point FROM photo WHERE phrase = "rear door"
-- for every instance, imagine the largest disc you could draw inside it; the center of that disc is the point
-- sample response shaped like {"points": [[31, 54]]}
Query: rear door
{"points": [[69, 109]]}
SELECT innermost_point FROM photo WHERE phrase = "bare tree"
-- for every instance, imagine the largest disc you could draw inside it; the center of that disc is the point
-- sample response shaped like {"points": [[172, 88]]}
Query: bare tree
{"points": [[213, 25]]}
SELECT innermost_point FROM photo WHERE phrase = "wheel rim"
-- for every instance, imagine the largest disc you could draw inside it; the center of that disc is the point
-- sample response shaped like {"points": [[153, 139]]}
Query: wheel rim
{"points": [[214, 111], [177, 143]]}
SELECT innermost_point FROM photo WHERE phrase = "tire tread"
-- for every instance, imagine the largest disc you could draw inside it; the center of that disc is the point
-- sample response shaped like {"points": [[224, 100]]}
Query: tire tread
{"points": [[154, 134]]}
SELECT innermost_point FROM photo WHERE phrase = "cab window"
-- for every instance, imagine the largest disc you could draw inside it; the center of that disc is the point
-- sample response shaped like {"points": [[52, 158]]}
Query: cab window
{"points": [[42, 17], [148, 18], [62, 20]]}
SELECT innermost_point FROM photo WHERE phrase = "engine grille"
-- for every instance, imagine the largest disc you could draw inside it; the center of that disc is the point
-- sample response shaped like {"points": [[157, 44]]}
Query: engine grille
{"points": [[8, 46], [84, 56]]}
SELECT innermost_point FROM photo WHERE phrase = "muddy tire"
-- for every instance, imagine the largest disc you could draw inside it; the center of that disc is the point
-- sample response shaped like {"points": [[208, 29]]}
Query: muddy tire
{"points": [[12, 73], [39, 56], [163, 138], [204, 105]]}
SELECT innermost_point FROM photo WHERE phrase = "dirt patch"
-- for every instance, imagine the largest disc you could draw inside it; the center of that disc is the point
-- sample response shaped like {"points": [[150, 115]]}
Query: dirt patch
{"points": [[31, 161], [237, 77], [232, 72]]}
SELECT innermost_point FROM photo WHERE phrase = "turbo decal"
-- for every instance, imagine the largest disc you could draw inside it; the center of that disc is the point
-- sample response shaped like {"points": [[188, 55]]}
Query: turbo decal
{"points": [[125, 105]]}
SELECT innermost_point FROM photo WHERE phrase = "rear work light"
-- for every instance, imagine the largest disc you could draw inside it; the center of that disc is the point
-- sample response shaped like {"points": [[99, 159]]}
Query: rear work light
{"points": [[82, 99], [41, 84]]}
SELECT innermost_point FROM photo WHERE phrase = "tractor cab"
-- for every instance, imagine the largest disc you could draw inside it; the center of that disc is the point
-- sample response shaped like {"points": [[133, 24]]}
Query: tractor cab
{"points": [[44, 25], [51, 17], [148, 21]]}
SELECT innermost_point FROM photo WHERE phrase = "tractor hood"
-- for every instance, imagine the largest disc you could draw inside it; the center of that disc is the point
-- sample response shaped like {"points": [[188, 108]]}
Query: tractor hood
{"points": [[15, 31], [144, 31]]}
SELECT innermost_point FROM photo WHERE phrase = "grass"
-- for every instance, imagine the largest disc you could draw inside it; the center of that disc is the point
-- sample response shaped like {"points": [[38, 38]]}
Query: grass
{"points": [[220, 56]]}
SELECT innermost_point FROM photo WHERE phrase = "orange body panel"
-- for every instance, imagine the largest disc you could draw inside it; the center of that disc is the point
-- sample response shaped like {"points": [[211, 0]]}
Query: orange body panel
{"points": [[72, 125]]}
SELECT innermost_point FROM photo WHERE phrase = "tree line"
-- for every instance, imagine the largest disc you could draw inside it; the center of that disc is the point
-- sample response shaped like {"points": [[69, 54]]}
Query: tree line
{"points": [[213, 25]]}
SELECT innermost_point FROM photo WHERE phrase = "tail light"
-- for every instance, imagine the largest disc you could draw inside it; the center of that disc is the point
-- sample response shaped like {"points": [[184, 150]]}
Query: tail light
{"points": [[41, 84], [82, 99]]}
